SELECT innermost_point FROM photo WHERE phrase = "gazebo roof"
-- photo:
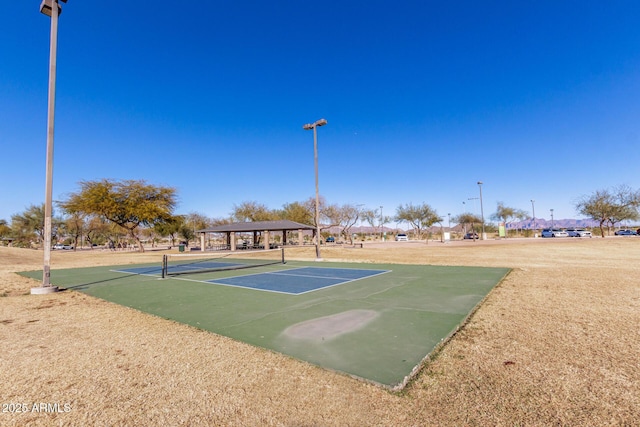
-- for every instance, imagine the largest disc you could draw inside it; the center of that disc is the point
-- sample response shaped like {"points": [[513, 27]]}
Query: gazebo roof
{"points": [[280, 225]]}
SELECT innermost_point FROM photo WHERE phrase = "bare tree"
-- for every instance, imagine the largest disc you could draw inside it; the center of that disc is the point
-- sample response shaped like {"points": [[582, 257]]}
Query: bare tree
{"points": [[348, 216], [370, 217], [610, 206]]}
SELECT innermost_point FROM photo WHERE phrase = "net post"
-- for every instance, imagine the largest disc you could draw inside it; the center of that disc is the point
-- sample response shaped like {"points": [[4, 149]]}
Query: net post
{"points": [[283, 261], [164, 265]]}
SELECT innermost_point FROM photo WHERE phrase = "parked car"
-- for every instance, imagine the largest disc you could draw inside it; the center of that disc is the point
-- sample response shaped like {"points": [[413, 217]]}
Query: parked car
{"points": [[625, 233], [60, 246], [401, 237], [578, 232], [471, 236], [331, 239], [554, 232]]}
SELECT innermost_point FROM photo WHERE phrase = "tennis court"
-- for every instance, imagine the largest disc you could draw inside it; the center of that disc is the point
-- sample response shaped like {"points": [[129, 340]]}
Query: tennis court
{"points": [[377, 322]]}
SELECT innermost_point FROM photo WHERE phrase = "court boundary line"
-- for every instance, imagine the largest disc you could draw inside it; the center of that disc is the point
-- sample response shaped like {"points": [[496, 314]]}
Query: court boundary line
{"points": [[343, 280], [137, 274]]}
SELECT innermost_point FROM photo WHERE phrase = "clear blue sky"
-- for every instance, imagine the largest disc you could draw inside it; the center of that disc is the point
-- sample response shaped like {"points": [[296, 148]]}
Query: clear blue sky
{"points": [[539, 100]]}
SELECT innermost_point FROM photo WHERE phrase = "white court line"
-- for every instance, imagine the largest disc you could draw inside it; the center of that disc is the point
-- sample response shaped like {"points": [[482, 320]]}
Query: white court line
{"points": [[346, 279]]}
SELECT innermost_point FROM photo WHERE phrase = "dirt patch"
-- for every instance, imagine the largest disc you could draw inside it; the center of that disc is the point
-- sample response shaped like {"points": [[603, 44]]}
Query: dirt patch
{"points": [[329, 327]]}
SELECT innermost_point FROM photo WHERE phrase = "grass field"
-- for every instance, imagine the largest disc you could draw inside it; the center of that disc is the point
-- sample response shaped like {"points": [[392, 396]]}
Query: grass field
{"points": [[556, 342]]}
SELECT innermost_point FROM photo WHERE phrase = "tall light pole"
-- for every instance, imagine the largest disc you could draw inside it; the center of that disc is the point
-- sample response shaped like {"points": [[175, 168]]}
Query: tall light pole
{"points": [[481, 209], [533, 212], [52, 9], [552, 218], [314, 126], [381, 225]]}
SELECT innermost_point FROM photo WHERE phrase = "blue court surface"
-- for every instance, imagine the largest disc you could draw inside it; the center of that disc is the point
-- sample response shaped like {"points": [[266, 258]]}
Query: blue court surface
{"points": [[298, 280]]}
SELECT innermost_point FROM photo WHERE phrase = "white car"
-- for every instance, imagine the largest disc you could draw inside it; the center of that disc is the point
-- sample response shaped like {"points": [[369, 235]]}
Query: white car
{"points": [[401, 237], [578, 232], [554, 232], [60, 246]]}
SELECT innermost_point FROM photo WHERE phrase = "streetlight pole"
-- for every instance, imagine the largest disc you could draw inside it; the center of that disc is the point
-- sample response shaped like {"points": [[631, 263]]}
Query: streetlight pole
{"points": [[533, 212], [381, 225], [314, 126], [552, 225], [52, 9], [481, 209]]}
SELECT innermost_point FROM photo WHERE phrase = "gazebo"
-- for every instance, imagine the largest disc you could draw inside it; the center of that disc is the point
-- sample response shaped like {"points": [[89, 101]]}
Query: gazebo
{"points": [[265, 228]]}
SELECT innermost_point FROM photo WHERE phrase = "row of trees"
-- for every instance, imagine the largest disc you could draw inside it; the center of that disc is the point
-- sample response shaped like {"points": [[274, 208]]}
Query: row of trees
{"points": [[108, 211]]}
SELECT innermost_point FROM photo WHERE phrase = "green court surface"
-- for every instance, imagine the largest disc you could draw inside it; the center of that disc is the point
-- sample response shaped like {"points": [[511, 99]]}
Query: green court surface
{"points": [[378, 324]]}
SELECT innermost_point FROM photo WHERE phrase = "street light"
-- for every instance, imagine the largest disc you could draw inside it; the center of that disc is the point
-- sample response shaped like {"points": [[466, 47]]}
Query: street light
{"points": [[551, 218], [52, 9], [481, 209], [313, 126], [381, 225], [533, 211]]}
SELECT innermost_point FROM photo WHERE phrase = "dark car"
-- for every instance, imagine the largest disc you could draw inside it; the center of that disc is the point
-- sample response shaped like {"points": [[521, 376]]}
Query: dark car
{"points": [[470, 236], [625, 233], [331, 239]]}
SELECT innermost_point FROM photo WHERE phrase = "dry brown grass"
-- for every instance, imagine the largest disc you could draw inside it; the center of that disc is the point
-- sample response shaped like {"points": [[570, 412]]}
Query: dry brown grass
{"points": [[557, 343]]}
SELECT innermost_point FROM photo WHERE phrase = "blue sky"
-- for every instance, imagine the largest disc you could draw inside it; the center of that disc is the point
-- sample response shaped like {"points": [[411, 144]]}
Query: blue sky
{"points": [[539, 100]]}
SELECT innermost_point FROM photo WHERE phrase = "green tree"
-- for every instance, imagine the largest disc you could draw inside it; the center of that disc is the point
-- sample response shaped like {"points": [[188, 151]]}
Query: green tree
{"points": [[74, 227], [98, 230], [507, 214], [468, 218], [296, 212], [28, 226], [610, 206], [171, 227], [252, 212], [5, 230], [194, 222], [129, 204], [420, 217]]}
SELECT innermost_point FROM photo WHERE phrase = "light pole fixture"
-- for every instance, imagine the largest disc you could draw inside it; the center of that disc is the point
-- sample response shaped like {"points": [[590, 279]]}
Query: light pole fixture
{"points": [[314, 126], [533, 212], [481, 209], [52, 9]]}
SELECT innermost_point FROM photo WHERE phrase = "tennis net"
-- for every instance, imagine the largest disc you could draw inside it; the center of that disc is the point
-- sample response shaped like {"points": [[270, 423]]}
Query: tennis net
{"points": [[177, 264]]}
